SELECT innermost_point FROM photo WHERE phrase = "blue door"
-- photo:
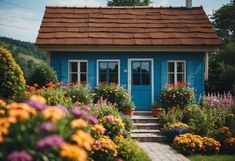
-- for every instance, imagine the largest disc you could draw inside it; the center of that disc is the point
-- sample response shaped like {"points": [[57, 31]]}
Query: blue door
{"points": [[141, 84]]}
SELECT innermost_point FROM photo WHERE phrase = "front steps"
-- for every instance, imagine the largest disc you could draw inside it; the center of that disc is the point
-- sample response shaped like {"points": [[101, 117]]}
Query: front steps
{"points": [[146, 127]]}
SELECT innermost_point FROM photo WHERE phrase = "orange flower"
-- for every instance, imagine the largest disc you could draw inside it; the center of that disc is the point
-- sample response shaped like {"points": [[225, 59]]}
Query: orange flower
{"points": [[98, 128], [38, 98], [2, 112], [83, 139], [224, 129], [2, 103], [73, 152], [35, 85], [78, 123], [21, 106], [53, 113]]}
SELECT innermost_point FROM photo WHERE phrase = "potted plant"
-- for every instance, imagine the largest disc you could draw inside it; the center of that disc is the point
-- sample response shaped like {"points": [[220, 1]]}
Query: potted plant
{"points": [[156, 109], [129, 109]]}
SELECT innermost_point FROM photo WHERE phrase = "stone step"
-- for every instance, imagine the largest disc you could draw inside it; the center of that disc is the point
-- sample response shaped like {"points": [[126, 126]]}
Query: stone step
{"points": [[148, 137], [143, 113], [145, 131], [146, 125], [144, 119]]}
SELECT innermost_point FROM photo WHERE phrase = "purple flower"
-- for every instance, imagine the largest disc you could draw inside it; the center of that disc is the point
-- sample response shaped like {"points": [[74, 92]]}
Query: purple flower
{"points": [[86, 107], [50, 141], [19, 156], [47, 127], [63, 108], [78, 113], [37, 105], [91, 119], [109, 118]]}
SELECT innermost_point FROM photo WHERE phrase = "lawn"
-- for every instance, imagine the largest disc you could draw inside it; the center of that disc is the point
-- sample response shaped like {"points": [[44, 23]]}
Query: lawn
{"points": [[212, 158]]}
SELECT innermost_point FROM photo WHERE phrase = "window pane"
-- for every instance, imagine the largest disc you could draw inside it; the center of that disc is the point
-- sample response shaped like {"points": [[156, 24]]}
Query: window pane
{"points": [[145, 67], [113, 67], [113, 77], [83, 77], [171, 67], [180, 78], [103, 67], [136, 66], [103, 77], [171, 78], [73, 67], [83, 66], [136, 79], [180, 67], [73, 77], [146, 78]]}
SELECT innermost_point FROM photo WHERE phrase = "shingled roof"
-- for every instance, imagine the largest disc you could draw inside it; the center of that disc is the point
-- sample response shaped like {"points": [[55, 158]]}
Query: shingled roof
{"points": [[126, 26]]}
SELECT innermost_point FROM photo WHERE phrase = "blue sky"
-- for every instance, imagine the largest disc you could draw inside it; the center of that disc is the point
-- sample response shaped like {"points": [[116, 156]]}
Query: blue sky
{"points": [[20, 19]]}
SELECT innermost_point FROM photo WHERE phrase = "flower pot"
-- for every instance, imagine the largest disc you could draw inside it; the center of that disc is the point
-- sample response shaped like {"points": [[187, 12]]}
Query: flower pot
{"points": [[156, 112], [129, 112]]}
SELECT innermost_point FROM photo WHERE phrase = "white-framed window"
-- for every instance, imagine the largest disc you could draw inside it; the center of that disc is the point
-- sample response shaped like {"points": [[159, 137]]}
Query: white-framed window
{"points": [[176, 71], [108, 71], [78, 71]]}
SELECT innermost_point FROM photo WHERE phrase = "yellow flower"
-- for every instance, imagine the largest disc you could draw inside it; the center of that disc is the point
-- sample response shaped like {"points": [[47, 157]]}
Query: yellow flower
{"points": [[107, 144], [2, 103], [83, 139], [78, 123], [2, 112], [73, 152], [19, 114], [98, 128], [179, 124], [38, 98], [53, 113]]}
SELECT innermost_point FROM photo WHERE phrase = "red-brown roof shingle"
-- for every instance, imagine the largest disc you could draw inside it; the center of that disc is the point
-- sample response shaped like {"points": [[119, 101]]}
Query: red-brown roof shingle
{"points": [[126, 26]]}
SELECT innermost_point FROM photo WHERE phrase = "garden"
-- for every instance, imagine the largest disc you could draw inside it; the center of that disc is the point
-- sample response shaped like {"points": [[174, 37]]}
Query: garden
{"points": [[201, 130]]}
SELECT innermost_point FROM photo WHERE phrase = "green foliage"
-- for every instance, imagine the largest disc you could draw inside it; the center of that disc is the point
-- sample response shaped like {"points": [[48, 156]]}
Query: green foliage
{"points": [[190, 111], [56, 97], [171, 116], [128, 123], [129, 150], [114, 94], [12, 81], [218, 157], [178, 95], [42, 74], [79, 93], [128, 2]]}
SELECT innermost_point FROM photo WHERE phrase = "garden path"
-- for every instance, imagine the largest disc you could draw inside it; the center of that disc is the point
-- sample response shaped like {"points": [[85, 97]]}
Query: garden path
{"points": [[161, 152]]}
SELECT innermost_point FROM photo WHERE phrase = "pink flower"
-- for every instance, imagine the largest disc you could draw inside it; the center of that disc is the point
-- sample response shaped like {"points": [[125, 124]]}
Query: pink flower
{"points": [[109, 118]]}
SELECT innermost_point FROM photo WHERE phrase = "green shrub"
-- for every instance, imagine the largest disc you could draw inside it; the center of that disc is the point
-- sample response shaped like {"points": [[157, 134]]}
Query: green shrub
{"points": [[12, 81], [79, 93], [128, 123], [114, 94], [170, 117], [178, 95], [56, 96], [129, 150], [190, 111], [42, 75]]}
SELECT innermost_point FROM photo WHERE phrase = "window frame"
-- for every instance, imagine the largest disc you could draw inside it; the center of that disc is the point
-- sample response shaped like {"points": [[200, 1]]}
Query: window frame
{"points": [[78, 70], [176, 71], [98, 61]]}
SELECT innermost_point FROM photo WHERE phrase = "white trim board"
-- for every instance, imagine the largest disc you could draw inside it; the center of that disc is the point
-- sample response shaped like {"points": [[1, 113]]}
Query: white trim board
{"points": [[106, 60], [152, 74]]}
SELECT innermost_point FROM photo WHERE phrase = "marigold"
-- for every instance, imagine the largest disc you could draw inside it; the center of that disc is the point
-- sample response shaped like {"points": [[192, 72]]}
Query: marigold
{"points": [[230, 140], [2, 103], [73, 152], [2, 112], [224, 129], [179, 124], [38, 98], [53, 113], [98, 128], [83, 139], [78, 123], [21, 106]]}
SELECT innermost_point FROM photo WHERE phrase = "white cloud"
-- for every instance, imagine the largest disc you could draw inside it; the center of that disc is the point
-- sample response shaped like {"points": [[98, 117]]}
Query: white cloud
{"points": [[74, 3]]}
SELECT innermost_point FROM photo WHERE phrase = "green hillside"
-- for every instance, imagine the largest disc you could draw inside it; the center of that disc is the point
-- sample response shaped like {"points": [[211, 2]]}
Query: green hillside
{"points": [[26, 54]]}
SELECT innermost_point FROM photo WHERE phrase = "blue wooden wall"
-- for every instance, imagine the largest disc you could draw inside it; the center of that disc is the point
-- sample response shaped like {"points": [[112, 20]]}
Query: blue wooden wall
{"points": [[194, 66]]}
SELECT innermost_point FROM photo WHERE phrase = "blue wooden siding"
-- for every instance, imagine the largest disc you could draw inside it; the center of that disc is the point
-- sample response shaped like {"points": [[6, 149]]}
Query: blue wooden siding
{"points": [[194, 66]]}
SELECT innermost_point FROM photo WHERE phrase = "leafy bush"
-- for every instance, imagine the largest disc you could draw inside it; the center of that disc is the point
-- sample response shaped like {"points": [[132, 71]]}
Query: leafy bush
{"points": [[79, 93], [42, 74], [114, 94], [177, 95], [12, 81], [128, 123], [129, 150], [171, 116], [190, 111]]}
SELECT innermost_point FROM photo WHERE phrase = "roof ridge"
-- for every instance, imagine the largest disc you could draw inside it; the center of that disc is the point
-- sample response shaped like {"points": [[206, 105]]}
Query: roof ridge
{"points": [[123, 7]]}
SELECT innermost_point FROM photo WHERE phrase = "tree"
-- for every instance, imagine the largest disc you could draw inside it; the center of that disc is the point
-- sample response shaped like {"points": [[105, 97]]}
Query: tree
{"points": [[12, 81], [42, 74], [224, 21], [128, 2]]}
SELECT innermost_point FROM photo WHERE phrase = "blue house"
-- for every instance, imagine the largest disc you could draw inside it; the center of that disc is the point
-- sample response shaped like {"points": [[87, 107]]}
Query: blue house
{"points": [[141, 48]]}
